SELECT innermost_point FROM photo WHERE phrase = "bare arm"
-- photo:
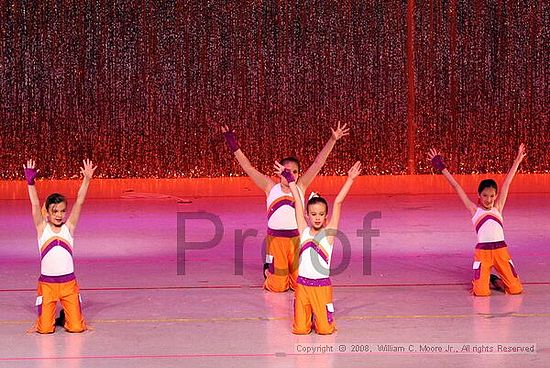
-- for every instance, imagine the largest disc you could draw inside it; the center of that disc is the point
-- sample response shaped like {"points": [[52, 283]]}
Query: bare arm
{"points": [[30, 175], [262, 181], [88, 172], [332, 226], [470, 206], [503, 195], [313, 170], [298, 202]]}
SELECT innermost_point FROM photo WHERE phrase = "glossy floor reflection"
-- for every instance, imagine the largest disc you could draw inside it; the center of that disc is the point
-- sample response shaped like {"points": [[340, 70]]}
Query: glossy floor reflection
{"points": [[407, 285]]}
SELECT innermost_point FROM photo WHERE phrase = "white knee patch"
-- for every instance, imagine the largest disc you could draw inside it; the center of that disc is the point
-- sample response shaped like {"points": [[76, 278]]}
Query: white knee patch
{"points": [[38, 301], [476, 265], [268, 258], [330, 307]]}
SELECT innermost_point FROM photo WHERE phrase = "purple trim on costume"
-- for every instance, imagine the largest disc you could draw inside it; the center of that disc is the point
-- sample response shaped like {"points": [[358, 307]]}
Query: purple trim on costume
{"points": [[276, 206], [313, 282], [55, 243], [57, 279], [282, 233], [288, 175], [330, 316], [491, 245], [271, 267], [485, 219], [231, 141], [477, 273], [39, 309], [513, 269], [30, 175], [437, 163], [316, 248]]}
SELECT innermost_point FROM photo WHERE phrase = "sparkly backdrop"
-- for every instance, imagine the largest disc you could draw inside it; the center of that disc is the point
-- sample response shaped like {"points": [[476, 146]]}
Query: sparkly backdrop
{"points": [[141, 87]]}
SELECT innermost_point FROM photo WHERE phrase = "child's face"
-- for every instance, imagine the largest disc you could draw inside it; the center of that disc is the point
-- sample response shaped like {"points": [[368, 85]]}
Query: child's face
{"points": [[293, 167], [56, 213], [487, 198], [317, 215]]}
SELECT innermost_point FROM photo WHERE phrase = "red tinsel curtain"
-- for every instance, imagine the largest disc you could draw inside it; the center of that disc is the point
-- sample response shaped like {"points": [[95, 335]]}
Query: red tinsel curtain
{"points": [[142, 86]]}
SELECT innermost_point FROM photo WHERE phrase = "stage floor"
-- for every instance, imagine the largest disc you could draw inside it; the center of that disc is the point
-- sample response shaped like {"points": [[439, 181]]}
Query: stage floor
{"points": [[407, 288]]}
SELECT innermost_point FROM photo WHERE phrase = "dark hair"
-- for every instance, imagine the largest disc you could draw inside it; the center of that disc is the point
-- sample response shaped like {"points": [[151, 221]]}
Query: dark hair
{"points": [[315, 200], [487, 183], [54, 198], [290, 159]]}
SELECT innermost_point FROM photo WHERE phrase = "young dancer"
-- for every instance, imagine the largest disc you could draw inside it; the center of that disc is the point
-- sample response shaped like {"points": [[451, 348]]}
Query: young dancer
{"points": [[313, 305], [280, 269], [57, 281], [491, 250]]}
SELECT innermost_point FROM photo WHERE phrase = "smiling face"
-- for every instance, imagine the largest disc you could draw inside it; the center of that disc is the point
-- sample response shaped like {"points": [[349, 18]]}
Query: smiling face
{"points": [[487, 198], [56, 213], [487, 193]]}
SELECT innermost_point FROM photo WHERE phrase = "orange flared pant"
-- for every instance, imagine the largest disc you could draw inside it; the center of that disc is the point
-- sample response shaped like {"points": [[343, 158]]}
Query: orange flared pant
{"points": [[282, 256], [49, 293], [486, 258], [313, 308]]}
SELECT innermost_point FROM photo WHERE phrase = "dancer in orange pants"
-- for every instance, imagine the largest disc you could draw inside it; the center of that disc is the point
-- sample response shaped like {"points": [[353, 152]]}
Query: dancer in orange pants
{"points": [[313, 306], [57, 282], [282, 264], [487, 256], [282, 241], [491, 250]]}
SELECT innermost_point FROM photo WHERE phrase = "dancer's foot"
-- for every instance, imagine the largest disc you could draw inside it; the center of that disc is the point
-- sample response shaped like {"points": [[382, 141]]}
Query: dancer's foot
{"points": [[60, 321], [496, 283]]}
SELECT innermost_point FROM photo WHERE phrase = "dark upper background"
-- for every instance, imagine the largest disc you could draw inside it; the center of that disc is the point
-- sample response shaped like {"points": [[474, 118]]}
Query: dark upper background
{"points": [[140, 87]]}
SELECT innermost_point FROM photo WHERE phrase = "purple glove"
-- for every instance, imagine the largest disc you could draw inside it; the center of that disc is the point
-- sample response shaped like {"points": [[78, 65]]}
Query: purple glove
{"points": [[437, 163], [231, 141], [30, 175], [287, 175]]}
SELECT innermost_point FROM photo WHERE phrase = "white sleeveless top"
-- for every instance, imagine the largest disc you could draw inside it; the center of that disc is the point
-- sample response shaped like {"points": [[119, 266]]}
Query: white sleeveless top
{"points": [[315, 255], [488, 224], [56, 252], [281, 214]]}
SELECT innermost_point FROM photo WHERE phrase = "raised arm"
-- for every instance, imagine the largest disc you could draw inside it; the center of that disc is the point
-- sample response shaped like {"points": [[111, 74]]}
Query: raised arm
{"points": [[332, 226], [30, 174], [88, 172], [262, 181], [298, 202], [503, 195], [313, 170], [438, 164]]}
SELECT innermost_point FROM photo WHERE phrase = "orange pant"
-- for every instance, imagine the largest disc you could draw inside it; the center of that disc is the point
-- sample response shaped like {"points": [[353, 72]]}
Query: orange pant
{"points": [[284, 263], [484, 260], [313, 307], [49, 294]]}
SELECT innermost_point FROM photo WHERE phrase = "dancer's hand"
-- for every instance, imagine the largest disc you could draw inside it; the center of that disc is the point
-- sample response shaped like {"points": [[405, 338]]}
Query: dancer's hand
{"points": [[432, 153], [284, 172], [436, 159], [30, 171], [355, 170], [521, 153], [88, 170], [340, 131], [230, 139]]}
